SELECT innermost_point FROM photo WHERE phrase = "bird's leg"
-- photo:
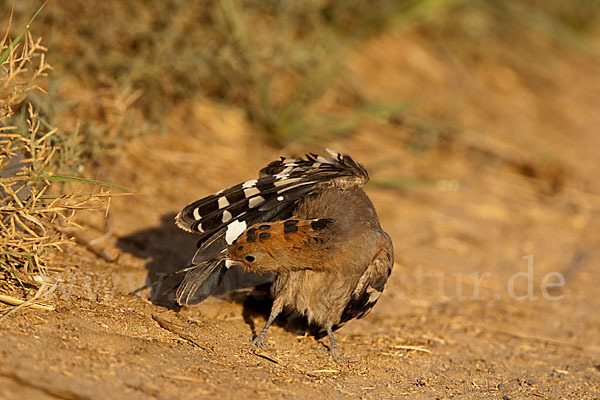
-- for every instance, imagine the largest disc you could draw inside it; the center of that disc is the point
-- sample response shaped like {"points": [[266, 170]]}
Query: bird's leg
{"points": [[259, 340], [335, 351]]}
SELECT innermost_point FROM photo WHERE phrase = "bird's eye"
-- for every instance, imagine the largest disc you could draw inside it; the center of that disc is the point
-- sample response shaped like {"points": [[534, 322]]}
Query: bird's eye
{"points": [[249, 258]]}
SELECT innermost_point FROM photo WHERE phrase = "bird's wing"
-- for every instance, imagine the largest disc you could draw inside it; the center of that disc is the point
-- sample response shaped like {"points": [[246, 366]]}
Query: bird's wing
{"points": [[372, 282], [221, 218]]}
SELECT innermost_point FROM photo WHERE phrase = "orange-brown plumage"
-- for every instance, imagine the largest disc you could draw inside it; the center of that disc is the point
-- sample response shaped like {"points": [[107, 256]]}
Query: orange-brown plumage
{"points": [[281, 246]]}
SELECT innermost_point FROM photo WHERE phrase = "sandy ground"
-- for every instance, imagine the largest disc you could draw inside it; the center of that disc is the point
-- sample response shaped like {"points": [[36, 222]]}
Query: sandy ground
{"points": [[475, 308]]}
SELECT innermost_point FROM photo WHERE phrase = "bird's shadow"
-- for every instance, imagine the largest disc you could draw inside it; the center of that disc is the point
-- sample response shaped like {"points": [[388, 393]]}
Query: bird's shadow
{"points": [[170, 249], [258, 303]]}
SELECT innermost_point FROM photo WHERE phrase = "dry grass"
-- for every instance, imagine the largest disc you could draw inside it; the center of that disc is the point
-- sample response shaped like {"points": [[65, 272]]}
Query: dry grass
{"points": [[35, 203]]}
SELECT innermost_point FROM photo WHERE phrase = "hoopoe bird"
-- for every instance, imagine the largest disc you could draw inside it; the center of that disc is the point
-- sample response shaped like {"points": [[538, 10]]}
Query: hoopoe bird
{"points": [[309, 224]]}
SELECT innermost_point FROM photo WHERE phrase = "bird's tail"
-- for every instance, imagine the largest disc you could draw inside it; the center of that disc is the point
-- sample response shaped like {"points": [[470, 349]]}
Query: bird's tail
{"points": [[213, 277], [200, 282]]}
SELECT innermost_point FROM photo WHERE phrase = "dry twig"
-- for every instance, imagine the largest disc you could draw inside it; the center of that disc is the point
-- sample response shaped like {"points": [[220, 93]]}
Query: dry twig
{"points": [[415, 348], [177, 330], [13, 301]]}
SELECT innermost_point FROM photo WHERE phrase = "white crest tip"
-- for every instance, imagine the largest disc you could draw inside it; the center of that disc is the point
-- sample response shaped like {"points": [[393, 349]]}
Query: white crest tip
{"points": [[234, 230]]}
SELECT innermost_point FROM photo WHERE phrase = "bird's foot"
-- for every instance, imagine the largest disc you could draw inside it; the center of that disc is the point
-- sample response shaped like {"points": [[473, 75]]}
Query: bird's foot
{"points": [[334, 350], [259, 340], [339, 357]]}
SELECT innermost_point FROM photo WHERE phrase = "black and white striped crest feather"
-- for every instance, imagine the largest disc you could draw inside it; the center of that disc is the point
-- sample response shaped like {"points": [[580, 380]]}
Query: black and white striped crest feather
{"points": [[221, 218]]}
